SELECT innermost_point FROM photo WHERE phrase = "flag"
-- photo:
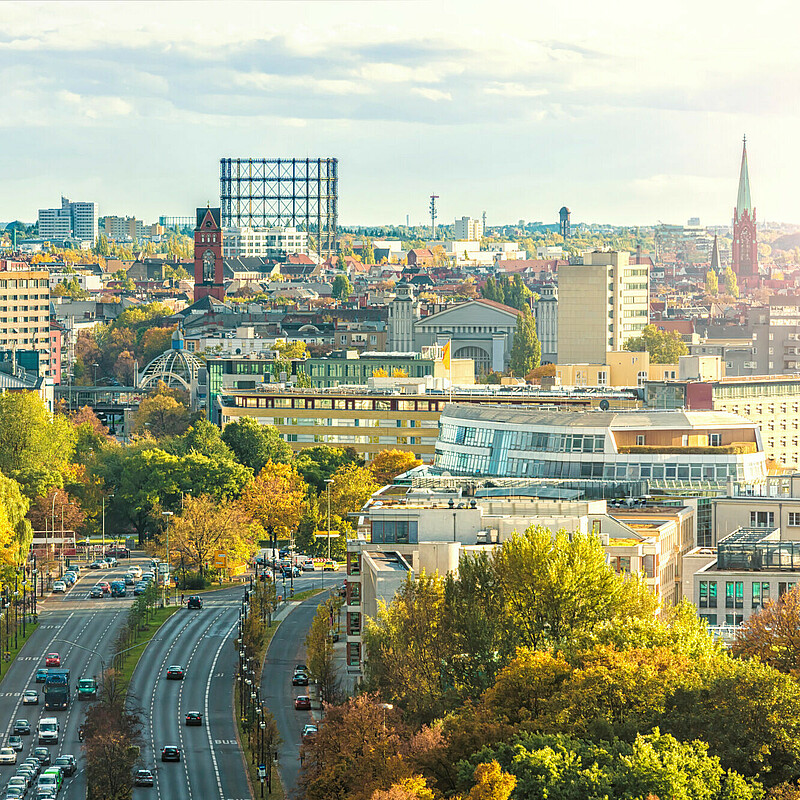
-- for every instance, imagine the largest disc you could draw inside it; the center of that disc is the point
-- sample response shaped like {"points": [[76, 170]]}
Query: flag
{"points": [[446, 356]]}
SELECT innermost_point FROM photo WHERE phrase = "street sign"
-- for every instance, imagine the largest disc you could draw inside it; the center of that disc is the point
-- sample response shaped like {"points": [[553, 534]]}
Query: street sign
{"points": [[163, 568], [221, 560], [324, 534]]}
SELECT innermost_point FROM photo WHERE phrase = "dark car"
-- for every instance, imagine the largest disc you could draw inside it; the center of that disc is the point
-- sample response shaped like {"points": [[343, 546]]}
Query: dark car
{"points": [[97, 565], [97, 591], [143, 777], [119, 552], [302, 703], [43, 754], [139, 589], [194, 718], [301, 668], [15, 742], [170, 753], [194, 602], [22, 727], [67, 763], [41, 675], [174, 673], [299, 678]]}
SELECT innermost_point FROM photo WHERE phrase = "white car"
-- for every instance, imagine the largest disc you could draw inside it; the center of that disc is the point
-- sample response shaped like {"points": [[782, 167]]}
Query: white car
{"points": [[30, 697], [8, 755], [59, 586]]}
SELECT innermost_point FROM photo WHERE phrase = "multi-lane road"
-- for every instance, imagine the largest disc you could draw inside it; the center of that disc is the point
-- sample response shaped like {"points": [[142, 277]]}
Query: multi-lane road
{"points": [[83, 631]]}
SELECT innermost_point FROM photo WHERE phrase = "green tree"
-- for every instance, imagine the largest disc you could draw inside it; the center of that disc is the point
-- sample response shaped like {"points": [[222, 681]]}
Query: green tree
{"points": [[317, 464], [254, 445], [664, 347], [275, 499], [352, 486], [342, 288], [203, 437], [160, 416], [731, 284], [712, 283], [526, 351]]}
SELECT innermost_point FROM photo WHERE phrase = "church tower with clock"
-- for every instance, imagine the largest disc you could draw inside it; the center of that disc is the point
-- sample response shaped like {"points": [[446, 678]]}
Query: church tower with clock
{"points": [[208, 255]]}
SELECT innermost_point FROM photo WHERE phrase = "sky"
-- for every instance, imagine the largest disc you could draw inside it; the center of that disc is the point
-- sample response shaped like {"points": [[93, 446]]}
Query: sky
{"points": [[630, 113]]}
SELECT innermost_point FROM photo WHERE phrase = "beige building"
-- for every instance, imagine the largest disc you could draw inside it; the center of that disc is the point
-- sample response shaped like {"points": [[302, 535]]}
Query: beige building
{"points": [[620, 368], [24, 307], [601, 303]]}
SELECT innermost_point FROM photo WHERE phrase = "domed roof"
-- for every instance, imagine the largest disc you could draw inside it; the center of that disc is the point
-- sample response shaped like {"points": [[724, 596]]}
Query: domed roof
{"points": [[176, 367]]}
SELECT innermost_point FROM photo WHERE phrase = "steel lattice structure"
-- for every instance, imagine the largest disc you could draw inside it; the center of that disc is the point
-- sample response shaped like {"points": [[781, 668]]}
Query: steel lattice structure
{"points": [[267, 192]]}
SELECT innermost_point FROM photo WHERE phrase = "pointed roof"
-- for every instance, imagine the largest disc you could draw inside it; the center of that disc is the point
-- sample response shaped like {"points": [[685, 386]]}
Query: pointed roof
{"points": [[715, 262], [743, 202]]}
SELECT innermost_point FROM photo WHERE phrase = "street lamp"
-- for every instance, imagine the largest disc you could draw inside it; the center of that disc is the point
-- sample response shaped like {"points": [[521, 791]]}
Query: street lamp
{"points": [[167, 515], [95, 373], [386, 707]]}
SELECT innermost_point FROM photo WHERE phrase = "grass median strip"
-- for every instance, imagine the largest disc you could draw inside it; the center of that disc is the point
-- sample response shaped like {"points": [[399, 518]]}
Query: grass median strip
{"points": [[126, 663], [11, 652]]}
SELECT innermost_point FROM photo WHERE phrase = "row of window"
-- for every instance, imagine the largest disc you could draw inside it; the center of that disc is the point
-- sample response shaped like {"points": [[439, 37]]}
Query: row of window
{"points": [[339, 404], [760, 593], [524, 440], [766, 519], [394, 531], [357, 422], [337, 439], [22, 283]]}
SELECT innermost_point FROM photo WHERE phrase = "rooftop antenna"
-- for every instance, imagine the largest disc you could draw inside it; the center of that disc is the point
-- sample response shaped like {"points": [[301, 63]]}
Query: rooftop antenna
{"points": [[434, 198]]}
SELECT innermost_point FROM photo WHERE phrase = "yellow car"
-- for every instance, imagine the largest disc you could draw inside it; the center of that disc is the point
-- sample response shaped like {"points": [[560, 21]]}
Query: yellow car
{"points": [[330, 566]]}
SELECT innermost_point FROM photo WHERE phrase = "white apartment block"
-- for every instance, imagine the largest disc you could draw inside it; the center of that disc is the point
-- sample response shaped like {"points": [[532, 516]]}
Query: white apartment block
{"points": [[263, 242], [87, 282], [73, 220], [469, 229]]}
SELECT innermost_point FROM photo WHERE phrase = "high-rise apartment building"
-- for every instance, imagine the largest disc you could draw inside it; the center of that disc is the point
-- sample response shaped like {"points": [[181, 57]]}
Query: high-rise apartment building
{"points": [[601, 303], [24, 307], [468, 229], [263, 242], [71, 221]]}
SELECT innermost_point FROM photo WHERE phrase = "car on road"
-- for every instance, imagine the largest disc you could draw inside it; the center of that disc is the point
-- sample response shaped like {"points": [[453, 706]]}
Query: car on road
{"points": [[105, 586], [22, 727], [118, 589], [119, 552], [170, 753], [33, 763], [19, 780], [41, 675], [46, 792], [68, 764], [308, 566], [175, 673], [43, 754], [52, 660], [15, 742], [86, 688], [194, 602], [59, 587], [69, 578], [302, 703], [28, 771], [15, 793], [8, 755], [143, 777], [299, 678], [97, 565], [291, 572], [139, 589], [194, 718], [301, 668], [97, 591], [30, 697], [130, 580], [309, 732], [330, 566], [111, 561]]}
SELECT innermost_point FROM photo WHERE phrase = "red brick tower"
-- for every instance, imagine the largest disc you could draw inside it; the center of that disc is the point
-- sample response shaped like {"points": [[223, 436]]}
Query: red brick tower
{"points": [[208, 255]]}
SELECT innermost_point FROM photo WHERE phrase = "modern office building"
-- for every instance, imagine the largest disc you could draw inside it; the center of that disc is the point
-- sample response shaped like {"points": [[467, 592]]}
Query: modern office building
{"points": [[665, 448], [263, 242], [602, 303], [72, 221], [771, 402], [468, 229], [24, 307]]}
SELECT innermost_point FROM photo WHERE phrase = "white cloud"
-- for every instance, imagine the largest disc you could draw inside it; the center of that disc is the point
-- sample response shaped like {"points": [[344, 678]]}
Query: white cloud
{"points": [[513, 90], [431, 94]]}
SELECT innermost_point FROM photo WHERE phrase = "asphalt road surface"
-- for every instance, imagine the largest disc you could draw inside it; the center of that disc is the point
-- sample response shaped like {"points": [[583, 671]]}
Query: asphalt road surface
{"points": [[286, 650], [72, 617]]}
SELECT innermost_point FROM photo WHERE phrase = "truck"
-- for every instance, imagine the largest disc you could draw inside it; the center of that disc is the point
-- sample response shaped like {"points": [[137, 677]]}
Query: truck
{"points": [[48, 730], [56, 689], [87, 689]]}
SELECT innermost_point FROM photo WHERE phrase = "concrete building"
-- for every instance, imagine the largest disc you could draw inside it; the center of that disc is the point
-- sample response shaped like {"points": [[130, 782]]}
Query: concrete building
{"points": [[73, 220], [666, 448], [277, 242], [623, 368], [24, 307], [403, 311], [770, 401], [601, 303], [545, 310], [87, 282], [469, 229]]}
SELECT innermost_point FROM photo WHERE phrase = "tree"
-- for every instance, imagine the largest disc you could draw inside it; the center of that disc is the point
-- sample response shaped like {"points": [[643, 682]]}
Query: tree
{"points": [[526, 351], [254, 445], [731, 284], [388, 464], [46, 513], [407, 646], [30, 436], [203, 437], [206, 527], [317, 464], [414, 788], [160, 416], [319, 652], [352, 486], [154, 342], [664, 347], [491, 783], [712, 283], [275, 499], [16, 533], [342, 288], [772, 635]]}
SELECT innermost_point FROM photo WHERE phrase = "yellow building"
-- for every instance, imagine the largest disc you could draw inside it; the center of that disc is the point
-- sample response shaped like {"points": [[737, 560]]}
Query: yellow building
{"points": [[620, 368], [601, 303]]}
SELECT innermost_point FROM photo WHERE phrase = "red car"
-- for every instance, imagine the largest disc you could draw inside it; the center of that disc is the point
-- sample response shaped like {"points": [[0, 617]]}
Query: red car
{"points": [[302, 703], [52, 660], [105, 586]]}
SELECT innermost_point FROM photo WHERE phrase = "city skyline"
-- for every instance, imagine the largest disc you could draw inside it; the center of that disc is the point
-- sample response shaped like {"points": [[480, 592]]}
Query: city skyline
{"points": [[630, 118]]}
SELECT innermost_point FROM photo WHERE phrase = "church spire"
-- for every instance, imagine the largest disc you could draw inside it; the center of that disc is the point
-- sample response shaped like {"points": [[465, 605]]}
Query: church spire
{"points": [[715, 263], [743, 202]]}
